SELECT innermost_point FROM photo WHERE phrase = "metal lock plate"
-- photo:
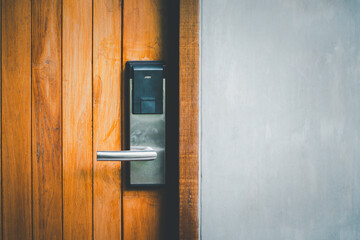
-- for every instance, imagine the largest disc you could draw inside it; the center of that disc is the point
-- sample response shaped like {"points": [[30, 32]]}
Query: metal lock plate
{"points": [[146, 86]]}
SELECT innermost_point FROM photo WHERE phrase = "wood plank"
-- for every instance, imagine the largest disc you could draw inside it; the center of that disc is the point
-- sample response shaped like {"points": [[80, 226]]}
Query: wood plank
{"points": [[143, 214], [145, 38], [1, 229], [46, 115], [107, 117], [16, 119], [77, 119], [188, 123]]}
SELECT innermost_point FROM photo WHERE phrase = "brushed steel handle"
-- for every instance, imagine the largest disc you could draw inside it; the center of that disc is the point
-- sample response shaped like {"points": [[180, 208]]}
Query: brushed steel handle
{"points": [[135, 154]]}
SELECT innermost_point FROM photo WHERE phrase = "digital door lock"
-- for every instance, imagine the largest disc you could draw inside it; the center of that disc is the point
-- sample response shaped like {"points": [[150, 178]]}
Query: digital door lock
{"points": [[145, 103]]}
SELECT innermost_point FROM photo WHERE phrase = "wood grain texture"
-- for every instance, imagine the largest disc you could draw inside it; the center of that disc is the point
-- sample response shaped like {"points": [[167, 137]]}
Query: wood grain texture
{"points": [[1, 226], [77, 119], [188, 123], [16, 119], [107, 117], [46, 115], [144, 39], [143, 214], [58, 109]]}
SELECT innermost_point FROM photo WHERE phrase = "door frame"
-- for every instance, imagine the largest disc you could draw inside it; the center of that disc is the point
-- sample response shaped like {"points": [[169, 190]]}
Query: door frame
{"points": [[189, 119]]}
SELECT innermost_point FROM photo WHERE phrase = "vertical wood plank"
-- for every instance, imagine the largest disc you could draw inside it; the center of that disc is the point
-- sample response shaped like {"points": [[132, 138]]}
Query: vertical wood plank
{"points": [[145, 38], [77, 119], [107, 117], [46, 115], [188, 122], [16, 119], [1, 158], [1, 225]]}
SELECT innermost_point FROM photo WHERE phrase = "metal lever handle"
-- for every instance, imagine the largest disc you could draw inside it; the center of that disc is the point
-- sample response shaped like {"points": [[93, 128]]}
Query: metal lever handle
{"points": [[135, 154]]}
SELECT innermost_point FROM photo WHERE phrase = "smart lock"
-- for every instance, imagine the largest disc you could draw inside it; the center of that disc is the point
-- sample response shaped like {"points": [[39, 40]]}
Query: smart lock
{"points": [[145, 103]]}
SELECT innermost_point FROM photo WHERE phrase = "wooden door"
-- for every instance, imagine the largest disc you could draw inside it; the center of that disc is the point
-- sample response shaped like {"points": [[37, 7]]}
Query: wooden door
{"points": [[62, 78]]}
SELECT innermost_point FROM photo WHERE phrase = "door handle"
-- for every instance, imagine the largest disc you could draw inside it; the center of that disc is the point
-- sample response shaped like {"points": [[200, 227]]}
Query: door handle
{"points": [[135, 154]]}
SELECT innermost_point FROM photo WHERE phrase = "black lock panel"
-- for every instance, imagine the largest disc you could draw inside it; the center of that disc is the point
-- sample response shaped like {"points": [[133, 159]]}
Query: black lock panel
{"points": [[147, 86]]}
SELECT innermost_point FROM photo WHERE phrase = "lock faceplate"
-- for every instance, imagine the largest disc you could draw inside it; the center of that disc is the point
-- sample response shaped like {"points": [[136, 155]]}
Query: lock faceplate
{"points": [[147, 120]]}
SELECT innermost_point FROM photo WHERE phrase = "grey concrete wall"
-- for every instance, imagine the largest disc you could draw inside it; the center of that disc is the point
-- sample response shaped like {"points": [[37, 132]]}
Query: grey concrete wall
{"points": [[280, 119]]}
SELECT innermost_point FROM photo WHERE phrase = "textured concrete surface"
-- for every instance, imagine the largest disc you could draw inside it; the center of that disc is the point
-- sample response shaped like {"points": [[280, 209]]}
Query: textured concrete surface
{"points": [[280, 126]]}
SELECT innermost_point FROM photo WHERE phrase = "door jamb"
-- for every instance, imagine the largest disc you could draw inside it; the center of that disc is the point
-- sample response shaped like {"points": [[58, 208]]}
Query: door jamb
{"points": [[189, 119]]}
